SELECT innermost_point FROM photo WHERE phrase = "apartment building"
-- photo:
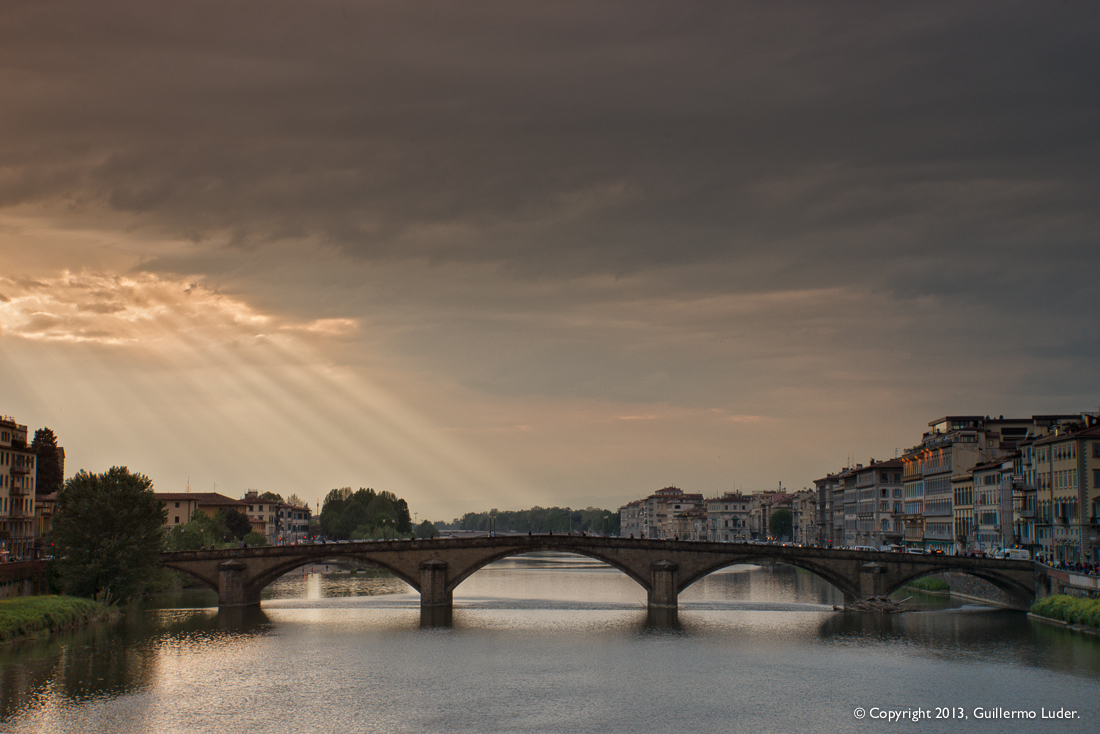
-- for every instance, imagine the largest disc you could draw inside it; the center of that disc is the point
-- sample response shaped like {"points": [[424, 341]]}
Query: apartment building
{"points": [[657, 515], [826, 489], [182, 506], [18, 475], [993, 517], [1067, 488], [689, 525], [728, 517], [804, 514], [293, 522], [630, 519], [878, 496], [280, 522]]}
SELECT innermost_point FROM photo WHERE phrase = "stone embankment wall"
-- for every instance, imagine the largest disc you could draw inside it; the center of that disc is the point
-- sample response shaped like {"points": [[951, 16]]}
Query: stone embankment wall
{"points": [[972, 587], [24, 578]]}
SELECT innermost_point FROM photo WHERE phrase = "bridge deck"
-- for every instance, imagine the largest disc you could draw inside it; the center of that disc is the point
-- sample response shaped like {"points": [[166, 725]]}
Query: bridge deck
{"points": [[663, 568]]}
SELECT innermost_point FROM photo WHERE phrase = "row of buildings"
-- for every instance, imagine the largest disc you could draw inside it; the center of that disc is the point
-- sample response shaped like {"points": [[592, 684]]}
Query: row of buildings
{"points": [[976, 483], [672, 514], [26, 508], [280, 522], [972, 483]]}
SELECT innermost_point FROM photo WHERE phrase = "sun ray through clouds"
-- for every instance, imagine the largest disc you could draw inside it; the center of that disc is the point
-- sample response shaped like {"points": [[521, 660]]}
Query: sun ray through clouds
{"points": [[215, 389]]}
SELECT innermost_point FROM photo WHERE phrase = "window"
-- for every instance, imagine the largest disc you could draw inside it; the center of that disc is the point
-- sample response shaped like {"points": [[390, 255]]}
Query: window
{"points": [[177, 519], [177, 507], [1096, 449]]}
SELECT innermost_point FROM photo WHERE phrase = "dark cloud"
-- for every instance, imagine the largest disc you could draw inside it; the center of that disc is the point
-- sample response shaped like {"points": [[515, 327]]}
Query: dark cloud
{"points": [[943, 151], [589, 134]]}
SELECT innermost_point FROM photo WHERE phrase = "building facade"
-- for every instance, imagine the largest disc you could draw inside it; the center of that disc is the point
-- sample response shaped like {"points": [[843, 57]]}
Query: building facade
{"points": [[18, 475], [728, 518]]}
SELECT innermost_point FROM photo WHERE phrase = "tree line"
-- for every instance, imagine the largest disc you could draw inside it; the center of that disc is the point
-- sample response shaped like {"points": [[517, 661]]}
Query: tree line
{"points": [[365, 515], [539, 520], [108, 530]]}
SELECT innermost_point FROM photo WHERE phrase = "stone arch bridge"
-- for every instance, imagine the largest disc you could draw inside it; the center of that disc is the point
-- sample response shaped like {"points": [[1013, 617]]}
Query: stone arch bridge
{"points": [[663, 568]]}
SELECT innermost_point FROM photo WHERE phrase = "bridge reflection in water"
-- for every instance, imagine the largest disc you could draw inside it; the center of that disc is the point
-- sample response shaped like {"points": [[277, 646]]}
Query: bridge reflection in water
{"points": [[664, 568]]}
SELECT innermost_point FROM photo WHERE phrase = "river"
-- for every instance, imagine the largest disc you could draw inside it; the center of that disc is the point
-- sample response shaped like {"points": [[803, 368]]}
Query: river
{"points": [[553, 643]]}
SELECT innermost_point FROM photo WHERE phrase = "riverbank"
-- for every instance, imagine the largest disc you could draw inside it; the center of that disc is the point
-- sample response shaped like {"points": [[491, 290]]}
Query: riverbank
{"points": [[1082, 615], [27, 616]]}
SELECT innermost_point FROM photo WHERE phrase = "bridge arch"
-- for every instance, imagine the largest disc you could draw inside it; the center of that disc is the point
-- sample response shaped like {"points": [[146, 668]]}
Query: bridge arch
{"points": [[1020, 593], [827, 573], [513, 552], [193, 573], [268, 576]]}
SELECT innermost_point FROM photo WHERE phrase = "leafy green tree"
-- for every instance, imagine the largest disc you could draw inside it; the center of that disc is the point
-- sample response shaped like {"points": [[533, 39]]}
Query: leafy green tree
{"points": [[781, 523], [236, 523], [364, 513], [540, 520], [201, 531], [108, 533], [50, 475], [254, 539], [271, 497], [426, 530]]}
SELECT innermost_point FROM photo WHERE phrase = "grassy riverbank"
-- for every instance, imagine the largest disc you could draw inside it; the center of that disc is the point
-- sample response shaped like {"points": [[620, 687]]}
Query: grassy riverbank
{"points": [[928, 583], [1069, 609], [24, 616]]}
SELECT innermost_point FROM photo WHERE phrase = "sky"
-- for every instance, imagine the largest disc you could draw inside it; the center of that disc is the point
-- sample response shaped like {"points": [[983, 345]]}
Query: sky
{"points": [[500, 254]]}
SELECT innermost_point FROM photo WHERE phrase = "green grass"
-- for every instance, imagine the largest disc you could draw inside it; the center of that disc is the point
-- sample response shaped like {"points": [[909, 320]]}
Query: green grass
{"points": [[928, 583], [1069, 609], [27, 615]]}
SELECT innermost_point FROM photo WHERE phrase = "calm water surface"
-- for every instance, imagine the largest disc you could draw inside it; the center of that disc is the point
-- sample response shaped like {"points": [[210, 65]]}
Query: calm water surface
{"points": [[550, 644]]}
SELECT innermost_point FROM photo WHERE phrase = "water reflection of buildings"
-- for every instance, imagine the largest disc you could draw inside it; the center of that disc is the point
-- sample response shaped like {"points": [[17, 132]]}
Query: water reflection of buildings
{"points": [[114, 659]]}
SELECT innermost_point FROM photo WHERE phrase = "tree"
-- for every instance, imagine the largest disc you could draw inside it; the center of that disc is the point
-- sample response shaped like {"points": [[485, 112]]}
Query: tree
{"points": [[48, 460], [297, 501], [107, 533], [201, 531], [255, 539], [271, 497], [426, 530], [236, 523], [781, 523]]}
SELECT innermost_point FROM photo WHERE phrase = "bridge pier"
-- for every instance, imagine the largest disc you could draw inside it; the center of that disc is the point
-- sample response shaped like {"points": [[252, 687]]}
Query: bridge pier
{"points": [[663, 592], [433, 584], [232, 591], [872, 580]]}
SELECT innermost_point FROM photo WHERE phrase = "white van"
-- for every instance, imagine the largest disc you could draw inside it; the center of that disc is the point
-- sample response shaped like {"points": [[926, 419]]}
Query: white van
{"points": [[864, 548], [1015, 554]]}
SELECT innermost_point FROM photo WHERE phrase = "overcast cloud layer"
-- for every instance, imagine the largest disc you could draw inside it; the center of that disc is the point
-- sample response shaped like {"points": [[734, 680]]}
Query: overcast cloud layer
{"points": [[601, 246]]}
